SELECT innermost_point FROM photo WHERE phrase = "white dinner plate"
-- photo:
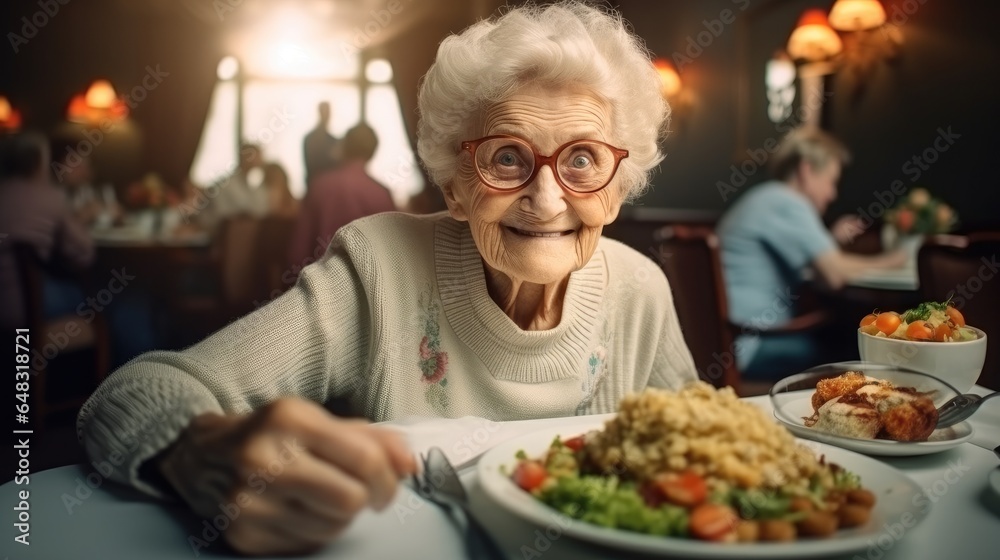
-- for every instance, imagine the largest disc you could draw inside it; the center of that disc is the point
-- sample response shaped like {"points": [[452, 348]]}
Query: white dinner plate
{"points": [[900, 505], [995, 480], [939, 440]]}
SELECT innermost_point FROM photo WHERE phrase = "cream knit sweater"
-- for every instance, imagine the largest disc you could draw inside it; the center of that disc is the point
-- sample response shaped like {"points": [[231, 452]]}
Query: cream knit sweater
{"points": [[397, 319]]}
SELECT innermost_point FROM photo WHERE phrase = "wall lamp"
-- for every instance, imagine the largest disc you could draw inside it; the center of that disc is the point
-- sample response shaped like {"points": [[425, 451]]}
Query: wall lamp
{"points": [[10, 119], [100, 104]]}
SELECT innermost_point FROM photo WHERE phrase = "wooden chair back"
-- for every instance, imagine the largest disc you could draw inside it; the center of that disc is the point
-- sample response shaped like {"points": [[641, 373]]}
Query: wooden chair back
{"points": [[689, 257], [74, 332]]}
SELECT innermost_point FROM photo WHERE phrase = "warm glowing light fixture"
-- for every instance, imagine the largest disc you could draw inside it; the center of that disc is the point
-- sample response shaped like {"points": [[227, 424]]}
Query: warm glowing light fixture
{"points": [[101, 95], [99, 104], [9, 118], [378, 71], [856, 15], [670, 80], [813, 39], [228, 68]]}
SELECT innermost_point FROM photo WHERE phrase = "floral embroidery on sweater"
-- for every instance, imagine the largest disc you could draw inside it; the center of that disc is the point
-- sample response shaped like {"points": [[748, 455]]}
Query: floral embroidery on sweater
{"points": [[432, 361], [597, 369]]}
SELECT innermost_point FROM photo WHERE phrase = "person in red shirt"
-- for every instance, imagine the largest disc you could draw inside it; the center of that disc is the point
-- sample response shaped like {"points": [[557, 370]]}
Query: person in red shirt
{"points": [[338, 197]]}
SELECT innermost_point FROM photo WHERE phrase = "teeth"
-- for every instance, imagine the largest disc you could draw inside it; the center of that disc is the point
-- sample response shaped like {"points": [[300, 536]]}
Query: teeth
{"points": [[538, 233]]}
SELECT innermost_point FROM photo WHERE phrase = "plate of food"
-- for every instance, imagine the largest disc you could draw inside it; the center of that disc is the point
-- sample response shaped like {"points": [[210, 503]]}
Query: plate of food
{"points": [[875, 409], [699, 474]]}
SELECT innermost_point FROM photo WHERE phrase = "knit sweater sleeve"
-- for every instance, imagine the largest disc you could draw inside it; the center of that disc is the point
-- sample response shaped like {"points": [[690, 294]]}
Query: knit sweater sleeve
{"points": [[673, 366], [310, 342]]}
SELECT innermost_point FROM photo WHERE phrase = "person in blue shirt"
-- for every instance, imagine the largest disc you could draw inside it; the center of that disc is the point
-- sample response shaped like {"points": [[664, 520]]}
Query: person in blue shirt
{"points": [[772, 235]]}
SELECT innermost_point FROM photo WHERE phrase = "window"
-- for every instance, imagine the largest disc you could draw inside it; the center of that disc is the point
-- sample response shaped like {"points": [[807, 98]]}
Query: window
{"points": [[278, 113]]}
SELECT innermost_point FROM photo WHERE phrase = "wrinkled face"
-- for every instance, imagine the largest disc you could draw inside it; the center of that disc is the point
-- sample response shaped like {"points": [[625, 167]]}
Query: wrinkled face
{"points": [[820, 185], [541, 233]]}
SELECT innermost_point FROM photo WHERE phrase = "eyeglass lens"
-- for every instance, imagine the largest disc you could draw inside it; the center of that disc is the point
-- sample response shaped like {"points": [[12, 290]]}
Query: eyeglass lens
{"points": [[507, 163]]}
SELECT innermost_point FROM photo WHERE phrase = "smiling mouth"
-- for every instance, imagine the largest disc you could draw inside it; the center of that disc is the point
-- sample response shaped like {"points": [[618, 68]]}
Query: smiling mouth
{"points": [[541, 234]]}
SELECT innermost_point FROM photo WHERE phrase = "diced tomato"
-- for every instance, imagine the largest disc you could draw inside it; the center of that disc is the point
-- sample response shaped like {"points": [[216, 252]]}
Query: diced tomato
{"points": [[574, 443], [918, 330], [888, 322], [713, 522], [942, 332], [868, 319], [529, 475], [955, 315], [686, 489]]}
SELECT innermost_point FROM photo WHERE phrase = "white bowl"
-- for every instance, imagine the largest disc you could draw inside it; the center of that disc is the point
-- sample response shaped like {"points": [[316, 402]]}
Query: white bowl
{"points": [[958, 363]]}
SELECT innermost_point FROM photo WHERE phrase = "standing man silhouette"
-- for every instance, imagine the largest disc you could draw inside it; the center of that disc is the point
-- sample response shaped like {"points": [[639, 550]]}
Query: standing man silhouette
{"points": [[320, 149]]}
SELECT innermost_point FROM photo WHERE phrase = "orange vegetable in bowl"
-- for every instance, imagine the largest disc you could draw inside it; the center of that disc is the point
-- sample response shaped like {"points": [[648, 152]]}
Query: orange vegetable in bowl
{"points": [[918, 330], [888, 322], [955, 315], [868, 319], [942, 333]]}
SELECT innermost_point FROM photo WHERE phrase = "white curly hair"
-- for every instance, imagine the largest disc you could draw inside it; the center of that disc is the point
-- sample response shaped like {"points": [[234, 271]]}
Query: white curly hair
{"points": [[568, 43]]}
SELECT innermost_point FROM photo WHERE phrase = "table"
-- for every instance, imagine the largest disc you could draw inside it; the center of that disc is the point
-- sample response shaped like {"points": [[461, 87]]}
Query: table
{"points": [[170, 272], [70, 520], [903, 279]]}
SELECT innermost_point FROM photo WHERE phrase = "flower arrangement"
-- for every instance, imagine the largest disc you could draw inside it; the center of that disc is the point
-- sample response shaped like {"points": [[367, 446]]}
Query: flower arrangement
{"points": [[921, 214]]}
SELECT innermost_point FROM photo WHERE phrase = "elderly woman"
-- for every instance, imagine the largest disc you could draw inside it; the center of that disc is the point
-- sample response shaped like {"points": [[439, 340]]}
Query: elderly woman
{"points": [[537, 126]]}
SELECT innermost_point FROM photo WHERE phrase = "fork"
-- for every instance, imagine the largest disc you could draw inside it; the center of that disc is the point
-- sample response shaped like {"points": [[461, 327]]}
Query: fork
{"points": [[439, 483], [960, 408]]}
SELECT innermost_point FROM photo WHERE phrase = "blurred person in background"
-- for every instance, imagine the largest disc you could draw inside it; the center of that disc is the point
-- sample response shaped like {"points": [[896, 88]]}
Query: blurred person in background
{"points": [[238, 194], [773, 235], [338, 197], [35, 213], [74, 172], [320, 149], [281, 203], [509, 306]]}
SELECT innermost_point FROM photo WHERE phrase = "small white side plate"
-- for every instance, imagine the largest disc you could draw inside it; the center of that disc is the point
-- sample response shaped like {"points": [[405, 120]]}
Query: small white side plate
{"points": [[939, 440]]}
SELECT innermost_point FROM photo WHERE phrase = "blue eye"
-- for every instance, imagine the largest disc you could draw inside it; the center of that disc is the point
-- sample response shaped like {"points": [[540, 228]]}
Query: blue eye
{"points": [[581, 162], [507, 159]]}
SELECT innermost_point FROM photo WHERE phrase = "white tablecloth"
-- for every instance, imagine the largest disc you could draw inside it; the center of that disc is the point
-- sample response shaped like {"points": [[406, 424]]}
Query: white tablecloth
{"points": [[69, 520], [904, 279]]}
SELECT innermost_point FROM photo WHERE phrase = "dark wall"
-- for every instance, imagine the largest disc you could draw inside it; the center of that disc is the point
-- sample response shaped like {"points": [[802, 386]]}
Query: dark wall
{"points": [[122, 42], [946, 75]]}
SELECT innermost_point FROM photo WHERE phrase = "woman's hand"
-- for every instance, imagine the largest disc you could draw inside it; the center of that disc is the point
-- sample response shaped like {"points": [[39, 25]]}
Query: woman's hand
{"points": [[290, 475]]}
